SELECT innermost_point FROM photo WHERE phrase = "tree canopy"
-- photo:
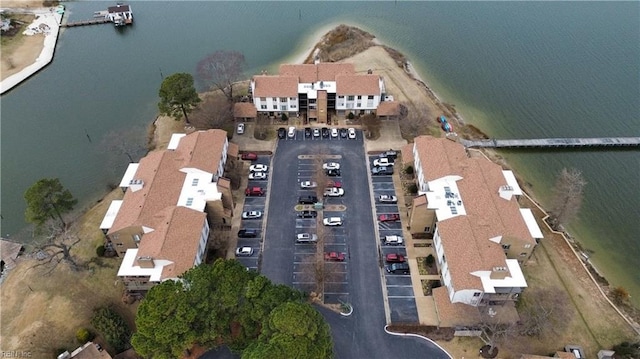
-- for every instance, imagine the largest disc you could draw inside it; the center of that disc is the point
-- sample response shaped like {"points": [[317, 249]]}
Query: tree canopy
{"points": [[178, 96], [225, 304], [48, 199], [220, 70]]}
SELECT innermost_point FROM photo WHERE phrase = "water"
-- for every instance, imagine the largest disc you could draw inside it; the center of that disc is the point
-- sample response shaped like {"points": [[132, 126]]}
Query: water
{"points": [[514, 69]]}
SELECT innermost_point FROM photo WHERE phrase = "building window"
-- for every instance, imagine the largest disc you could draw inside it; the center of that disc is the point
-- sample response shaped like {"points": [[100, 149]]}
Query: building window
{"points": [[275, 99], [476, 294], [359, 104], [359, 97], [195, 182], [527, 246], [189, 201], [293, 106], [283, 107], [136, 238], [292, 98], [370, 97], [275, 107], [506, 246], [263, 107], [350, 98], [427, 229], [341, 96], [263, 99], [283, 99]]}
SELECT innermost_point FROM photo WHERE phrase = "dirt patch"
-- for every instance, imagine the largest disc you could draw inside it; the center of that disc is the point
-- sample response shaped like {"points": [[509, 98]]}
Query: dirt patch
{"points": [[20, 53], [433, 333]]}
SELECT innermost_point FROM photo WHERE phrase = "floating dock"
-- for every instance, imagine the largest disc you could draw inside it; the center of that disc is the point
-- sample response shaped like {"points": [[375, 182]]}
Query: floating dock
{"points": [[555, 142], [119, 15]]}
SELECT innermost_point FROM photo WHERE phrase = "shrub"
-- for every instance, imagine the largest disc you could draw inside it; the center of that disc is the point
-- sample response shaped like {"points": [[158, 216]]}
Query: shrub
{"points": [[619, 295], [351, 116], [409, 170], [112, 327], [100, 250], [430, 260], [83, 335], [285, 118], [413, 188]]}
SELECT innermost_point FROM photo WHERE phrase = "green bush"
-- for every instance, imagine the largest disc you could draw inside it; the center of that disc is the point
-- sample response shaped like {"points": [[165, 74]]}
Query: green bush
{"points": [[112, 327], [285, 117], [413, 188], [409, 170], [83, 335], [351, 116], [430, 260], [100, 250]]}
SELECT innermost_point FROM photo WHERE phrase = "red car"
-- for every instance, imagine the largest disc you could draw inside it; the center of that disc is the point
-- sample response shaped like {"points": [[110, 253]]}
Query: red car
{"points": [[336, 184], [394, 258], [389, 217], [334, 256], [253, 191], [249, 156]]}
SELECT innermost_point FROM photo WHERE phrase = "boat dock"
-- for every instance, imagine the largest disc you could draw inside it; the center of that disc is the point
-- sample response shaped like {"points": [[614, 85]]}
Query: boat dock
{"points": [[119, 15], [86, 22], [555, 142]]}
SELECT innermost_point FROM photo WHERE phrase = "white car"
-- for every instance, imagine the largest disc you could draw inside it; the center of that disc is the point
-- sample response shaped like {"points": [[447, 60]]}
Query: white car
{"points": [[257, 175], [240, 129], [382, 162], [385, 198], [331, 166], [306, 238], [334, 192], [334, 132], [292, 132], [258, 168], [332, 221], [251, 214], [308, 184], [352, 133], [392, 240], [244, 252]]}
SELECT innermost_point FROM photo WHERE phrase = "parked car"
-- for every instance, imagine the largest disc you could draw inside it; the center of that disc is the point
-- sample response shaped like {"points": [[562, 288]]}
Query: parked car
{"points": [[249, 156], [385, 198], [389, 154], [334, 133], [332, 183], [307, 199], [332, 221], [316, 132], [258, 176], [391, 217], [333, 192], [392, 240], [331, 166], [292, 132], [258, 168], [282, 132], [352, 133], [332, 173], [343, 132], [394, 258], [383, 162], [307, 214], [308, 184], [382, 171], [307, 132], [244, 252], [325, 132], [240, 128], [396, 268], [306, 238], [334, 256], [251, 215], [253, 191], [247, 233]]}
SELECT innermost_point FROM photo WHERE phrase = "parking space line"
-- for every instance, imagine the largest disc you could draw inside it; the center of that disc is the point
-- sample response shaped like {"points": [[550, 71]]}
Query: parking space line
{"points": [[399, 297]]}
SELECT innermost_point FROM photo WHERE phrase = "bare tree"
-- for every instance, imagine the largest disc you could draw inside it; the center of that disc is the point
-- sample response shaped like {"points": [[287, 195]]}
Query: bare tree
{"points": [[261, 128], [372, 124], [415, 121], [495, 330], [55, 246], [121, 144], [543, 310], [220, 70], [568, 193], [214, 112]]}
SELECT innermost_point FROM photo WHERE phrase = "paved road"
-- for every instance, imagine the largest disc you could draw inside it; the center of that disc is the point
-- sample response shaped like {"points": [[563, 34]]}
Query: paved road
{"points": [[362, 334]]}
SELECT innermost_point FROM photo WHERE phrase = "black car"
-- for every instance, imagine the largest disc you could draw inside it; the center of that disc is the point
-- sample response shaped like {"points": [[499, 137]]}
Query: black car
{"points": [[307, 199], [332, 173], [282, 132], [307, 214], [343, 133], [247, 233], [307, 132], [385, 170], [325, 132], [391, 155], [398, 268]]}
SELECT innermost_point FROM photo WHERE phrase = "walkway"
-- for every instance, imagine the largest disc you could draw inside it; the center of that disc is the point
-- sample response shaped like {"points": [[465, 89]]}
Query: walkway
{"points": [[555, 142]]}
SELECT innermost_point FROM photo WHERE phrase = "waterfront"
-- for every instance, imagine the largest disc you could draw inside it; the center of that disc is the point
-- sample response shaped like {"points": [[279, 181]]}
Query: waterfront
{"points": [[516, 70]]}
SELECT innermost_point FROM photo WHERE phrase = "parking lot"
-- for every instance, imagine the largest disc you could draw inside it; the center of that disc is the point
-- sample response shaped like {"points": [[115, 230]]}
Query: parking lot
{"points": [[402, 304], [255, 203]]}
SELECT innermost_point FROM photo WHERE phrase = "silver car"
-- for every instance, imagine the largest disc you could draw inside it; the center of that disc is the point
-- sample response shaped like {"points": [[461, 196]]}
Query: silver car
{"points": [[244, 252]]}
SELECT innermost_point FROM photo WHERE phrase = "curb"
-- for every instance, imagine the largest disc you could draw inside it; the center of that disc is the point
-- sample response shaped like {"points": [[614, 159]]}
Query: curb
{"points": [[416, 336]]}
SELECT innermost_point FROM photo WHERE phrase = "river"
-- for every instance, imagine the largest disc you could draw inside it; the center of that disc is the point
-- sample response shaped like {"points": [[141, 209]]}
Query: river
{"points": [[514, 69]]}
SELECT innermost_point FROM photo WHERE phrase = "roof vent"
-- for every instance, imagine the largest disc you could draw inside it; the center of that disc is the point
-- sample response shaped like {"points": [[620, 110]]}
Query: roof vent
{"points": [[506, 192], [136, 184]]}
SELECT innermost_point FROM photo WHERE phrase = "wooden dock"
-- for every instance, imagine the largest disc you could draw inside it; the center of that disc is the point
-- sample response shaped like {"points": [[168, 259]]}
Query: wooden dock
{"points": [[86, 22], [555, 142]]}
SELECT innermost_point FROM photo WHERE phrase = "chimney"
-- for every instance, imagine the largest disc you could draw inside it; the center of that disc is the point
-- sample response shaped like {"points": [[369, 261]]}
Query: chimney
{"points": [[145, 262], [506, 192], [136, 185]]}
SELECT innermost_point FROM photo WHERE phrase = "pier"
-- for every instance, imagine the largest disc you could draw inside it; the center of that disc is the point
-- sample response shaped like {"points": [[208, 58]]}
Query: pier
{"points": [[555, 142], [86, 22]]}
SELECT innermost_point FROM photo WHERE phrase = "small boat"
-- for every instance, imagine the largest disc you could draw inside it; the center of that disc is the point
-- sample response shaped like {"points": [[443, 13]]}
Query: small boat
{"points": [[442, 119], [447, 127]]}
